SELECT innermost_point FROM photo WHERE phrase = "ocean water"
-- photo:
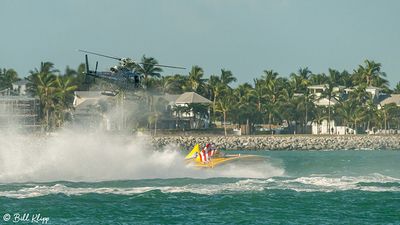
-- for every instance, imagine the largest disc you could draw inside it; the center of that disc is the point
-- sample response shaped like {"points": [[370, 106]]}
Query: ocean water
{"points": [[287, 187]]}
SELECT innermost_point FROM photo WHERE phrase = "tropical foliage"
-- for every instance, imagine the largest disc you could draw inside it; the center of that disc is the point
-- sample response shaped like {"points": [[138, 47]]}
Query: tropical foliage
{"points": [[55, 93], [7, 77], [272, 99]]}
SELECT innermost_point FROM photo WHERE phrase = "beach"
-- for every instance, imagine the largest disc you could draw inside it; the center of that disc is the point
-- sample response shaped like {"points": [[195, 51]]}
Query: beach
{"points": [[286, 142]]}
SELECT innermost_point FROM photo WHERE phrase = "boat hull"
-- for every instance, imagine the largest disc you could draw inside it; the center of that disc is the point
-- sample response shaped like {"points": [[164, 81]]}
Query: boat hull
{"points": [[219, 161]]}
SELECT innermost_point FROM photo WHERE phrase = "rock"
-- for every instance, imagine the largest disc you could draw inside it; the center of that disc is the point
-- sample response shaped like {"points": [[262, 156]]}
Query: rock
{"points": [[289, 142]]}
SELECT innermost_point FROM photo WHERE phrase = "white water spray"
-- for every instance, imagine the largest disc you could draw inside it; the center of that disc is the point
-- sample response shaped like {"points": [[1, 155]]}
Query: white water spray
{"points": [[79, 156]]}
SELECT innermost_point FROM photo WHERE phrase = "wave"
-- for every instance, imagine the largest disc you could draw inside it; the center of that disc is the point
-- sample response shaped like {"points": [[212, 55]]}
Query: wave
{"points": [[370, 183], [374, 182]]}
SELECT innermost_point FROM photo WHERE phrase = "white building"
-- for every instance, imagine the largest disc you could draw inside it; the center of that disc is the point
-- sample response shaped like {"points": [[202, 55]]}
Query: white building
{"points": [[318, 90], [91, 110], [337, 130], [20, 87], [183, 100], [374, 91]]}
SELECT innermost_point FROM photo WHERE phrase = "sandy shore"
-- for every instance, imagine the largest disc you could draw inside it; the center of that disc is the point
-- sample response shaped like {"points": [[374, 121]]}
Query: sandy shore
{"points": [[286, 142]]}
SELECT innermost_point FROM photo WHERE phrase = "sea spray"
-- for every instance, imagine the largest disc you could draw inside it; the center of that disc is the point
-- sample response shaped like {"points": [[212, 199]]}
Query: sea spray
{"points": [[73, 155]]}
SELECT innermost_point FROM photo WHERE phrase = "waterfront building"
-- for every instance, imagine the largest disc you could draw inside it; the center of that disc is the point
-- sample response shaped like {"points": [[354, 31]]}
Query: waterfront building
{"points": [[182, 112], [393, 98], [19, 112], [19, 87], [92, 110]]}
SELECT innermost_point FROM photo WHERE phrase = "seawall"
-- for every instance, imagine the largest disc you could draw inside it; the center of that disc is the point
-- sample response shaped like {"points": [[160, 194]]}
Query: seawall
{"points": [[286, 142]]}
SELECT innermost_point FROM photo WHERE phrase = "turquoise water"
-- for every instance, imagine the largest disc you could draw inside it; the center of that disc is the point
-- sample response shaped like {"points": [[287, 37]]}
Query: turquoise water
{"points": [[288, 187]]}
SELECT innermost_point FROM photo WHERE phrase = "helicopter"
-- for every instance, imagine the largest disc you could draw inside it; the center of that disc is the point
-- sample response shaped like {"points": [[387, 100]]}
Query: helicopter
{"points": [[123, 75]]}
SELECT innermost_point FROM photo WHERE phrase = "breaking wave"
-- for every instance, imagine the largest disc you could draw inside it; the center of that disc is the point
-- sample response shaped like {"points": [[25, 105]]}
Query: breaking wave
{"points": [[371, 183]]}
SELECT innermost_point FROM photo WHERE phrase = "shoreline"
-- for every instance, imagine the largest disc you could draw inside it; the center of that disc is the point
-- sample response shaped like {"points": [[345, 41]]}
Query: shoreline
{"points": [[286, 142]]}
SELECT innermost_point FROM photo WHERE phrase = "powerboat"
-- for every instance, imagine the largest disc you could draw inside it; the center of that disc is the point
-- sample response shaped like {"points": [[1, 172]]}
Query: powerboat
{"points": [[202, 159]]}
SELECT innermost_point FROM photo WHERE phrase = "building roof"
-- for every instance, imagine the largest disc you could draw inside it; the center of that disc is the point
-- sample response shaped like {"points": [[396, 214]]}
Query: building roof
{"points": [[369, 88], [191, 97], [169, 98], [394, 98], [325, 86], [20, 82], [88, 94], [318, 86], [84, 96], [372, 87], [325, 102], [87, 103]]}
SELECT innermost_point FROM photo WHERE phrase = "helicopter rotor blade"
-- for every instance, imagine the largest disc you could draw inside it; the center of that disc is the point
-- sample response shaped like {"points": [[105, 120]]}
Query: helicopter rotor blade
{"points": [[160, 65], [102, 55], [120, 59]]}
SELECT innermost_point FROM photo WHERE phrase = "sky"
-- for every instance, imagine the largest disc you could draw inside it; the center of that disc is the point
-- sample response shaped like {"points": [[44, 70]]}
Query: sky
{"points": [[246, 37]]}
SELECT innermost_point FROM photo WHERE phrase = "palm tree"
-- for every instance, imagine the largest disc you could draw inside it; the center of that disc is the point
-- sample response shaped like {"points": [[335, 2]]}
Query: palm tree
{"points": [[83, 81], [320, 78], [274, 94], [43, 84], [218, 84], [64, 93], [148, 68], [298, 108], [340, 78], [357, 116], [396, 90], [260, 93], [370, 112], [246, 105], [149, 71], [346, 79], [395, 116], [346, 111], [370, 74], [328, 93], [173, 84], [179, 110], [360, 94], [195, 80], [301, 79], [387, 111], [7, 77], [227, 77], [225, 105], [216, 88], [308, 105], [200, 113], [319, 116]]}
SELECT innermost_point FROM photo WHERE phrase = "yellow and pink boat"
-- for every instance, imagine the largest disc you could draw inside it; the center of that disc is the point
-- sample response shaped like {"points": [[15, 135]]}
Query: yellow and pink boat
{"points": [[194, 159]]}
